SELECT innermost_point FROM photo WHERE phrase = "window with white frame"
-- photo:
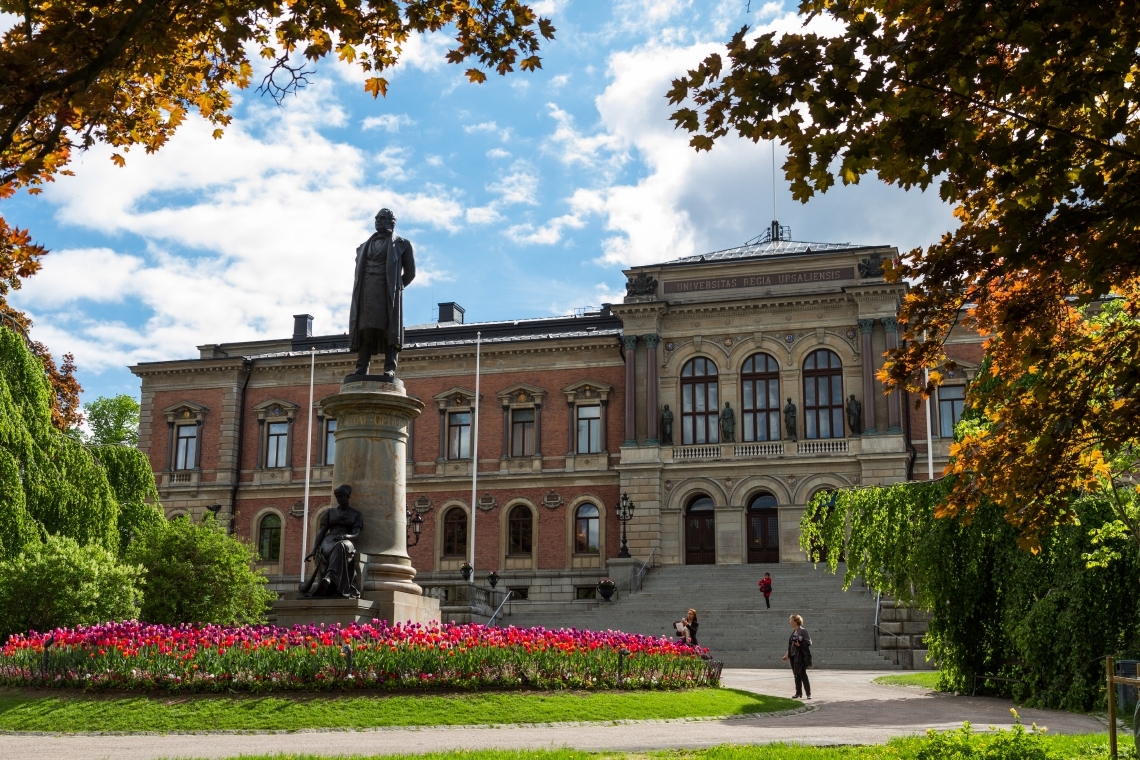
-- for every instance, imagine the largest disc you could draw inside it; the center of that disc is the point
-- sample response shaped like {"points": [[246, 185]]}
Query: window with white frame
{"points": [[951, 402], [330, 441], [459, 435], [522, 432], [185, 447], [277, 445], [589, 429]]}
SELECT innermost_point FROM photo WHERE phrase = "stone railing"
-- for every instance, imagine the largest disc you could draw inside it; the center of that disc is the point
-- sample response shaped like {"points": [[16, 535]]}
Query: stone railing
{"points": [[823, 446], [751, 450], [180, 477], [696, 452]]}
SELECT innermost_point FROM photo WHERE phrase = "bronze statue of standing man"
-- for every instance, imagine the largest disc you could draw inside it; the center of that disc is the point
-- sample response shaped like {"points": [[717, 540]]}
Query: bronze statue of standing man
{"points": [[385, 265]]}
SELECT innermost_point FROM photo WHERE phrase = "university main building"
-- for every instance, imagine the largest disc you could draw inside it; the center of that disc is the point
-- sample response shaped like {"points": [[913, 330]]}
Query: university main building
{"points": [[576, 411]]}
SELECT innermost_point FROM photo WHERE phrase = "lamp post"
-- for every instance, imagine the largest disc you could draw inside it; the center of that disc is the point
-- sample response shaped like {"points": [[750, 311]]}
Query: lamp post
{"points": [[624, 514], [417, 523]]}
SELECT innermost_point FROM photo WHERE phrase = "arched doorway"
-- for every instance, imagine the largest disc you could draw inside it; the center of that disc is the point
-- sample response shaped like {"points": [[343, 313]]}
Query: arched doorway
{"points": [[763, 529], [700, 532]]}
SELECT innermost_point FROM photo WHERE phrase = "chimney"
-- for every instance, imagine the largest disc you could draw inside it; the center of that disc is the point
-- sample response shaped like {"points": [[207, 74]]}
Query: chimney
{"points": [[302, 326], [451, 312]]}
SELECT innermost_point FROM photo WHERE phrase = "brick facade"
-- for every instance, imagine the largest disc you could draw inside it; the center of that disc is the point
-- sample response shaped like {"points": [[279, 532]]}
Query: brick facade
{"points": [[786, 300]]}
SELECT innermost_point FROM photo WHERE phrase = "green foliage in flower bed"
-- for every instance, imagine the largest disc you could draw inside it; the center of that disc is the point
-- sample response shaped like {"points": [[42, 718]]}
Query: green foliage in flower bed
{"points": [[28, 710]]}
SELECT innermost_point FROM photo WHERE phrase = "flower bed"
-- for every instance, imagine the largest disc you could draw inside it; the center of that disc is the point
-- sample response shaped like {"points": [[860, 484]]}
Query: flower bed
{"points": [[133, 655]]}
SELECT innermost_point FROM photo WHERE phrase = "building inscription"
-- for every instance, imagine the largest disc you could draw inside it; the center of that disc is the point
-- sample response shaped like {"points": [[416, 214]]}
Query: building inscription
{"points": [[760, 280]]}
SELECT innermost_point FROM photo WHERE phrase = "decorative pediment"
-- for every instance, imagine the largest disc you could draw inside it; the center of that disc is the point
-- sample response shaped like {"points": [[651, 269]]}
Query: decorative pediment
{"points": [[455, 398], [521, 394], [185, 410], [958, 369], [276, 409], [587, 390]]}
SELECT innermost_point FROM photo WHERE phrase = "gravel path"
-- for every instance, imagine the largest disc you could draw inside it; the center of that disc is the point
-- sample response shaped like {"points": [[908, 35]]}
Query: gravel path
{"points": [[848, 709]]}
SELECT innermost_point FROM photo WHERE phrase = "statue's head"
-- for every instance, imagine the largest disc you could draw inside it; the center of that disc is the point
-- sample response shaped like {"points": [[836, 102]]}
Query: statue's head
{"points": [[385, 221], [342, 493], [666, 407]]}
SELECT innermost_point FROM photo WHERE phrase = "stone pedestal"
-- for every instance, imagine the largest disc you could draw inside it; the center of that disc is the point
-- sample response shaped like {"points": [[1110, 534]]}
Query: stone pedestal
{"points": [[371, 454]]}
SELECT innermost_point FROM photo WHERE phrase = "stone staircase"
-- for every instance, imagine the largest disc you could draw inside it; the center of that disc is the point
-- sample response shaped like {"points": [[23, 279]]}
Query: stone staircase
{"points": [[734, 624]]}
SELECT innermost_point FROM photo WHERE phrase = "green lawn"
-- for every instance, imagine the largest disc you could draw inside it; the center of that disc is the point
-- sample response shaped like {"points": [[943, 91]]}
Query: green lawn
{"points": [[927, 679], [1093, 747], [35, 711], [1057, 747]]}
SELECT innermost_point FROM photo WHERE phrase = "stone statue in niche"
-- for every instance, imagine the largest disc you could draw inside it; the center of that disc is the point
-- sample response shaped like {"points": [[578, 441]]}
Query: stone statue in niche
{"points": [[727, 424], [336, 573], [790, 420], [385, 265], [666, 427], [854, 415]]}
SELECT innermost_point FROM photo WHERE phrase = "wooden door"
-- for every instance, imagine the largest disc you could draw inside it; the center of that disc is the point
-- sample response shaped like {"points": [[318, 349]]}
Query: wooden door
{"points": [[763, 535], [700, 538]]}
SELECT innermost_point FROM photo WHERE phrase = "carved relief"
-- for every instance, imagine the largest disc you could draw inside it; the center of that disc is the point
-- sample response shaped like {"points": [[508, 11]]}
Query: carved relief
{"points": [[552, 500], [422, 505], [486, 502]]}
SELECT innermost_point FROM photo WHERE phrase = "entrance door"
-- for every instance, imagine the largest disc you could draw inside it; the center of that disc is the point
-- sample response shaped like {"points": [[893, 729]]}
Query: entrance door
{"points": [[763, 529], [700, 533]]}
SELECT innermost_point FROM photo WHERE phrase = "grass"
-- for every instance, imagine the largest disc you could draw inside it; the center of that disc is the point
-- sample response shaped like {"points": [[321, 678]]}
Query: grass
{"points": [[1089, 747], [926, 679], [27, 710]]}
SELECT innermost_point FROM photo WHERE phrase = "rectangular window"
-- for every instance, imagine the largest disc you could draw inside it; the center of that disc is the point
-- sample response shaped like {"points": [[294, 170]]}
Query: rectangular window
{"points": [[186, 447], [330, 441], [276, 445], [520, 593], [522, 432], [951, 401], [459, 435], [586, 592], [589, 429]]}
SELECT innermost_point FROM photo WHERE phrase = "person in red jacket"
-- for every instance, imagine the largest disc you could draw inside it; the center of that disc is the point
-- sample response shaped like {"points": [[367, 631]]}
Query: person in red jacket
{"points": [[766, 589]]}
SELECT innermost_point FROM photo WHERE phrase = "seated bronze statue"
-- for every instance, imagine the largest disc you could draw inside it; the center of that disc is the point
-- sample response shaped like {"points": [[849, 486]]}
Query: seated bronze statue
{"points": [[336, 572]]}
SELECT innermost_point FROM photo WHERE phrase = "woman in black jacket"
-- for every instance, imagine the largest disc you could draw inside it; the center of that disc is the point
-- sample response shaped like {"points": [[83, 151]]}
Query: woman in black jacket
{"points": [[691, 626], [799, 654]]}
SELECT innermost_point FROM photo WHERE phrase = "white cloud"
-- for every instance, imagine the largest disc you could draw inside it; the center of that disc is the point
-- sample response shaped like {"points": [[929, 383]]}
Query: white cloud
{"points": [[548, 234], [572, 147], [388, 122], [520, 186], [559, 80], [498, 153], [488, 214], [488, 127], [231, 246]]}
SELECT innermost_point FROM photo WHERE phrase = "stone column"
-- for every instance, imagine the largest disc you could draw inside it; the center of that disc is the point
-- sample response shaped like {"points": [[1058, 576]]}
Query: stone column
{"points": [[651, 342], [865, 328], [629, 342], [371, 454], [538, 430], [170, 446], [506, 432], [442, 436], [894, 398], [604, 428], [571, 429], [198, 444]]}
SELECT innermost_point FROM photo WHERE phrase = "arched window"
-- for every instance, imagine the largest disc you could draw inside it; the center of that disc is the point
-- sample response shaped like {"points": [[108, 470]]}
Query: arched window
{"points": [[455, 533], [269, 538], [519, 530], [700, 422], [586, 529], [760, 378], [823, 395]]}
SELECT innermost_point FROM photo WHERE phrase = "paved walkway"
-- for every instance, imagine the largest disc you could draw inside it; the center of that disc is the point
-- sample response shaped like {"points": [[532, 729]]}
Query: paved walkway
{"points": [[849, 709]]}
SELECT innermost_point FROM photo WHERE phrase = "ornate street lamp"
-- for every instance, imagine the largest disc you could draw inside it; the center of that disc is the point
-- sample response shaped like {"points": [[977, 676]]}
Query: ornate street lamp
{"points": [[624, 515], [417, 523]]}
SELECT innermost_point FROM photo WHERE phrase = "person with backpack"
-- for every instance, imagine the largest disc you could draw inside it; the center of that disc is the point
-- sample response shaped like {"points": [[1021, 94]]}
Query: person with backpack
{"points": [[766, 589], [799, 655]]}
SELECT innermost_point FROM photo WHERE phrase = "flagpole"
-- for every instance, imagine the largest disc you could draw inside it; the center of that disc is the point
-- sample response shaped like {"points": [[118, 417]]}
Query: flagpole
{"points": [[929, 432], [308, 463], [474, 456]]}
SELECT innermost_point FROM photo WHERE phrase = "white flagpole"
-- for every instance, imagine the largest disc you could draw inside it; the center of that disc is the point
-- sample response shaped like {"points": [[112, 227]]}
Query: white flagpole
{"points": [[929, 432], [474, 457], [308, 464]]}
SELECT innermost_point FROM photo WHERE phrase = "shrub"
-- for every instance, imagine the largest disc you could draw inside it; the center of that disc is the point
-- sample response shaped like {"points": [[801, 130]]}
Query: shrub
{"points": [[59, 583], [197, 573]]}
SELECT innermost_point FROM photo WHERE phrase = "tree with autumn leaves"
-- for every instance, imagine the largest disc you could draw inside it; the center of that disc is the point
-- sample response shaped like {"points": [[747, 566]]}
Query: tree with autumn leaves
{"points": [[127, 73], [1024, 116]]}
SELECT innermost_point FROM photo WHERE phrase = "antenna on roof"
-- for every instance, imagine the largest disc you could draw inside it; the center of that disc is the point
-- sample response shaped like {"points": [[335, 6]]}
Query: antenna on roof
{"points": [[774, 215], [777, 232]]}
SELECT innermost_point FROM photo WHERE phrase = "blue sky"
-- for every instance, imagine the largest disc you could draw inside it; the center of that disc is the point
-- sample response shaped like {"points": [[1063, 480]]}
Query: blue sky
{"points": [[524, 196]]}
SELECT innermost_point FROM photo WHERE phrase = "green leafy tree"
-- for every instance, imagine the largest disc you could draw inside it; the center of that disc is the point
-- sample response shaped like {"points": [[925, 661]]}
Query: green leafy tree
{"points": [[197, 573], [50, 483], [59, 583], [114, 421], [1024, 116]]}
